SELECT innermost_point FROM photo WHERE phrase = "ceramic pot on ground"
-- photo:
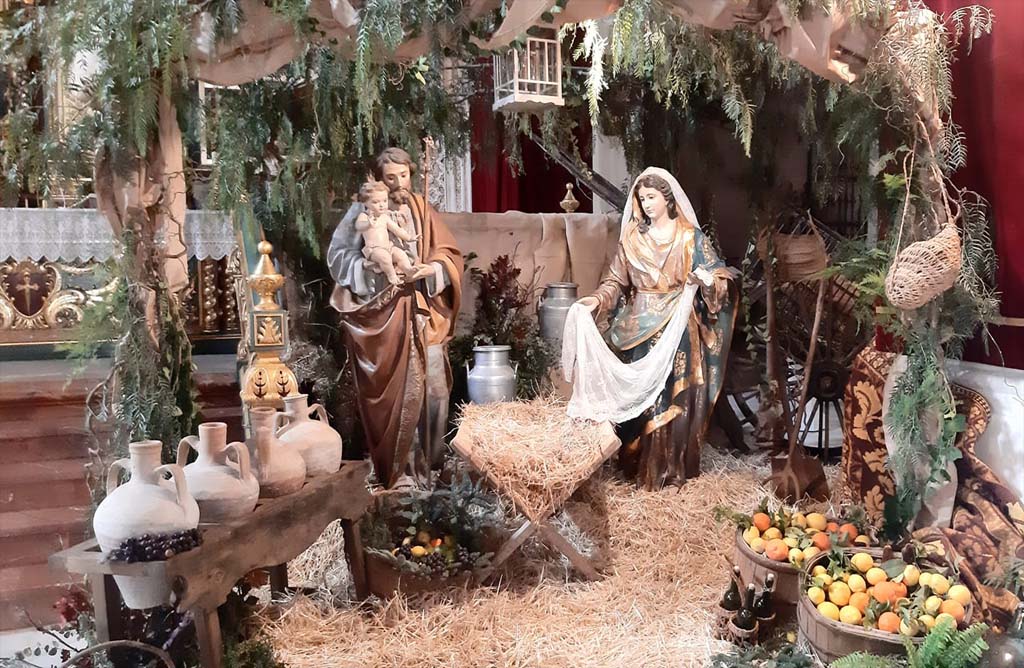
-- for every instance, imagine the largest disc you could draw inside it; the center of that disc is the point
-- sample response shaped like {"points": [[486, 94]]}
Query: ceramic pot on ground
{"points": [[223, 489], [316, 441], [147, 504], [492, 378], [553, 308], [280, 468]]}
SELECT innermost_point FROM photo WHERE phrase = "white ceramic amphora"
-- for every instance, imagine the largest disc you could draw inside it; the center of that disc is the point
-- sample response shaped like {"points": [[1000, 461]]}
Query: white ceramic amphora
{"points": [[147, 504], [223, 489], [280, 468], [316, 441]]}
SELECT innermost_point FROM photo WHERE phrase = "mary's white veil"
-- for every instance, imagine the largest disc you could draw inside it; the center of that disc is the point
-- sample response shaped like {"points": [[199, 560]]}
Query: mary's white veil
{"points": [[632, 211], [605, 388]]}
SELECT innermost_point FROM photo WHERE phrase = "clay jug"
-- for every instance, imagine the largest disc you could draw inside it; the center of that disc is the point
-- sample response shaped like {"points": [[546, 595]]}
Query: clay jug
{"points": [[147, 504], [280, 468], [316, 441], [223, 489]]}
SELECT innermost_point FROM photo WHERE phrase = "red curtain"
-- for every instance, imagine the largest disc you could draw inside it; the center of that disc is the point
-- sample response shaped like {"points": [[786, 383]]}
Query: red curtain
{"points": [[989, 86]]}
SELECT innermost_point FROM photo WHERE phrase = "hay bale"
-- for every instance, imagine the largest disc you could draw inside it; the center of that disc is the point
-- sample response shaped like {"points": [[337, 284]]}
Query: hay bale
{"points": [[533, 451]]}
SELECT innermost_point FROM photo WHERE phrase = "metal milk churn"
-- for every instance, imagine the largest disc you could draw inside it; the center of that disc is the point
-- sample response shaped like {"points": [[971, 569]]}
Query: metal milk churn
{"points": [[553, 307], [492, 378]]}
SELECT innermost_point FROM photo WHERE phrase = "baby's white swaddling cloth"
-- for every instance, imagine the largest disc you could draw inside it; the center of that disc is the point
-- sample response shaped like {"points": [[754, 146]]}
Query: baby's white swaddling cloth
{"points": [[605, 388]]}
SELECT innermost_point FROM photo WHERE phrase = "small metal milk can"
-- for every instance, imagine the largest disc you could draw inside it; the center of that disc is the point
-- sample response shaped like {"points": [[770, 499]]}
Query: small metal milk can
{"points": [[554, 306], [492, 378]]}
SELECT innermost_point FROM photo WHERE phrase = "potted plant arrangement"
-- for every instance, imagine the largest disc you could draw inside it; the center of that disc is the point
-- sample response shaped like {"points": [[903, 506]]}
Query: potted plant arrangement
{"points": [[419, 541]]}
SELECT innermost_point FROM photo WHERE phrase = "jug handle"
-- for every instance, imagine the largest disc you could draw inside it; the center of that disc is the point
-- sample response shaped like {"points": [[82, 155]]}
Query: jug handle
{"points": [[282, 428], [114, 473], [320, 412], [183, 446], [178, 476], [515, 368], [242, 455]]}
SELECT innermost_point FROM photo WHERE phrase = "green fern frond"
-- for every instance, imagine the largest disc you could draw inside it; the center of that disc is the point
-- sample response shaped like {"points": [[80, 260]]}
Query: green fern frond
{"points": [[865, 660], [937, 642], [966, 647]]}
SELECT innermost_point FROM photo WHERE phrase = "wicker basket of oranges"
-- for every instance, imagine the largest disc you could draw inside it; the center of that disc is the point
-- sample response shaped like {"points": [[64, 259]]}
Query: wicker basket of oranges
{"points": [[861, 601]]}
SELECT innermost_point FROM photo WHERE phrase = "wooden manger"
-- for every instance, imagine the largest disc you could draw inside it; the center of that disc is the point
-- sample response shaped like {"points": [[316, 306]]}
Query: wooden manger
{"points": [[276, 532], [536, 457]]}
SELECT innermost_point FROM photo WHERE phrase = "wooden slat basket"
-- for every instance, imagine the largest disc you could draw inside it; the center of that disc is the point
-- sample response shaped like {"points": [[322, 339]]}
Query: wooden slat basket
{"points": [[832, 640], [755, 568]]}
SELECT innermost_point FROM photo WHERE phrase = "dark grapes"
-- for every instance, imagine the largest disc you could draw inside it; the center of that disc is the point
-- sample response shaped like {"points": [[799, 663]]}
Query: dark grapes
{"points": [[156, 547]]}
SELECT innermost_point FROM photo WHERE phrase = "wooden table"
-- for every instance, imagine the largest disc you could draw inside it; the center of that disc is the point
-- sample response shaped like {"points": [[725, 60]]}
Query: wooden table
{"points": [[275, 533], [540, 524]]}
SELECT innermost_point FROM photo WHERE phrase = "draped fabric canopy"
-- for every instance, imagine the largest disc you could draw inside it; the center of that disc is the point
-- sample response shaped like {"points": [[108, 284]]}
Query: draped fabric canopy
{"points": [[825, 42]]}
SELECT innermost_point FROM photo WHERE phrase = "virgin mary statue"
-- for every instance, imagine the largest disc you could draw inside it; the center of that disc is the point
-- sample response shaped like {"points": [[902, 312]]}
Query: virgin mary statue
{"points": [[657, 370]]}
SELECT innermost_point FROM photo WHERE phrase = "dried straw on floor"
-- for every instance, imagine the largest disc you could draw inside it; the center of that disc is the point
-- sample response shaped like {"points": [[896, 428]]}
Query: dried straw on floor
{"points": [[536, 453], [666, 568]]}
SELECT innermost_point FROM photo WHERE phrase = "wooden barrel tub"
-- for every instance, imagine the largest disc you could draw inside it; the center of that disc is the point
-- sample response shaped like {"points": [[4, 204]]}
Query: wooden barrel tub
{"points": [[755, 568], [832, 640]]}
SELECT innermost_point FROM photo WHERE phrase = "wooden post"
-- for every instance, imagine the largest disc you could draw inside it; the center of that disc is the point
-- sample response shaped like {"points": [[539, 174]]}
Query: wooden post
{"points": [[354, 554], [208, 634]]}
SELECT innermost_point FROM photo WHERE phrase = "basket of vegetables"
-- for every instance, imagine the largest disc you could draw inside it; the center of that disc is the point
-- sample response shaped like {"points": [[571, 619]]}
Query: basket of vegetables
{"points": [[872, 601]]}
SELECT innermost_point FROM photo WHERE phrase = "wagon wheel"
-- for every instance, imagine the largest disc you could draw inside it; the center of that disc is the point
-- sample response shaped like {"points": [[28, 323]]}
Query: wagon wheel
{"points": [[840, 339]]}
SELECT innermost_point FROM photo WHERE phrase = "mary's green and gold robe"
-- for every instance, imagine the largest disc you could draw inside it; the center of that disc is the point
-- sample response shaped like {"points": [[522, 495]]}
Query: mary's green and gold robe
{"points": [[647, 275]]}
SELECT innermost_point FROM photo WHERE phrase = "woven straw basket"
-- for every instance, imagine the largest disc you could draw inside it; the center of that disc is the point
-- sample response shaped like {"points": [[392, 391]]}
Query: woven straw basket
{"points": [[799, 257], [924, 270]]}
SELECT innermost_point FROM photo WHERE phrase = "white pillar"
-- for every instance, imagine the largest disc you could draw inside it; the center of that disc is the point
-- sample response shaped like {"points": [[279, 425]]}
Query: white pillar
{"points": [[609, 160]]}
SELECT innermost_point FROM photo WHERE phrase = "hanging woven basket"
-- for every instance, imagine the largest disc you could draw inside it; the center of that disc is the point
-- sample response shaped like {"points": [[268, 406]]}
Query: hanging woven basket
{"points": [[798, 257], [924, 270]]}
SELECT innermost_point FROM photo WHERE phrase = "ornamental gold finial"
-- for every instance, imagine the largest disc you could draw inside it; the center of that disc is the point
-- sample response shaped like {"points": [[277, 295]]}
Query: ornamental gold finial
{"points": [[569, 204], [267, 380], [266, 280]]}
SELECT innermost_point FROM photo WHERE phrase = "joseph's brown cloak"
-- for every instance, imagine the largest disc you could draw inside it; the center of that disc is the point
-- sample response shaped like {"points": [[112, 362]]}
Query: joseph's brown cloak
{"points": [[387, 345]]}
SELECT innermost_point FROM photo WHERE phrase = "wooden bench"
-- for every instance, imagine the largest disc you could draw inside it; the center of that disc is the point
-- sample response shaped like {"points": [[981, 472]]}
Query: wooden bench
{"points": [[276, 532]]}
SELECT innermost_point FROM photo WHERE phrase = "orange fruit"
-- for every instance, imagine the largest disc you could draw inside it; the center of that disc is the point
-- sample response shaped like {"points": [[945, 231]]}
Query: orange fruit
{"points": [[821, 541], [951, 607], [761, 521], [875, 575], [829, 610], [850, 531], [885, 592], [889, 622], [901, 590], [832, 527], [960, 594], [776, 550], [839, 593], [860, 600]]}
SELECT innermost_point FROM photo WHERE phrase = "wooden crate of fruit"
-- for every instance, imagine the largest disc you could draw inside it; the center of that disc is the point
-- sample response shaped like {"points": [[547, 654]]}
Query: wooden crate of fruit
{"points": [[854, 601], [780, 543]]}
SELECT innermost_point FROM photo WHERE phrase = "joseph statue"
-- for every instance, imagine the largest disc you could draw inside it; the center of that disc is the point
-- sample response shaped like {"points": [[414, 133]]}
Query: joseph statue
{"points": [[397, 335]]}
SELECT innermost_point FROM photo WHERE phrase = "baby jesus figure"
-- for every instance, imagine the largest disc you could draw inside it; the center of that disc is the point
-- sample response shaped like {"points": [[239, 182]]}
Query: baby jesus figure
{"points": [[378, 224]]}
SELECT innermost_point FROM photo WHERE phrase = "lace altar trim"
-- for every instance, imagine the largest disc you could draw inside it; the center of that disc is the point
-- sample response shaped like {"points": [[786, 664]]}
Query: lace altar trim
{"points": [[84, 235]]}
